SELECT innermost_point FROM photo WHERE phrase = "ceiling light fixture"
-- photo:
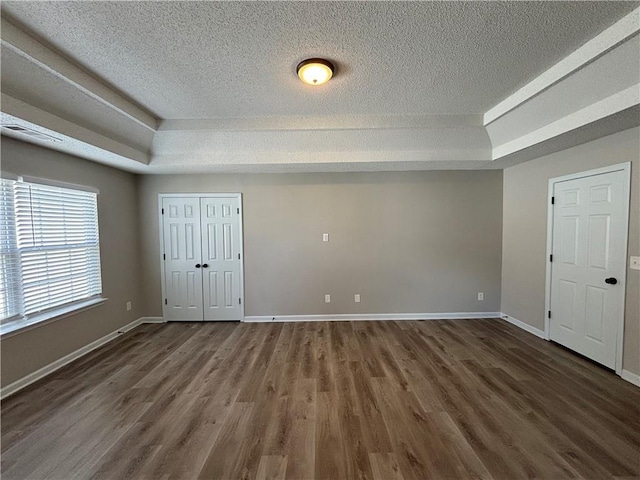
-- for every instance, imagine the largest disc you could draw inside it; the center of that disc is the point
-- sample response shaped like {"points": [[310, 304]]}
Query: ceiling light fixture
{"points": [[315, 71]]}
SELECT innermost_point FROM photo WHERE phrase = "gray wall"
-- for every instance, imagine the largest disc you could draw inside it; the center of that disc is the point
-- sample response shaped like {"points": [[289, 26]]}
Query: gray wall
{"points": [[414, 242], [407, 242], [30, 350], [524, 239]]}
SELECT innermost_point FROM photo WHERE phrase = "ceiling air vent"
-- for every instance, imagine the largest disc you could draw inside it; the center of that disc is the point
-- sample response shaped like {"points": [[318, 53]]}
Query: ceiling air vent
{"points": [[30, 133]]}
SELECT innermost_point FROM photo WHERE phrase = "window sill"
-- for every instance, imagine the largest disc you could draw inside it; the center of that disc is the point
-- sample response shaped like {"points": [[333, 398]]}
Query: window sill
{"points": [[35, 321]]}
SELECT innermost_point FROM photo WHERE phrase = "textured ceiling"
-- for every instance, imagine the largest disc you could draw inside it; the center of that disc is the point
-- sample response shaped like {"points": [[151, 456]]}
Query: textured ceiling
{"points": [[237, 59], [55, 95]]}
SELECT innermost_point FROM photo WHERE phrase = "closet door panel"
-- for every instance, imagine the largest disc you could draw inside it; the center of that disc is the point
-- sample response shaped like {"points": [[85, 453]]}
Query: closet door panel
{"points": [[221, 255], [182, 252]]}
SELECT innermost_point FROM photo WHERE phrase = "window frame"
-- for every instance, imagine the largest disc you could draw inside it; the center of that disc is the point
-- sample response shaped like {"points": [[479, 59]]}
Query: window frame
{"points": [[22, 322]]}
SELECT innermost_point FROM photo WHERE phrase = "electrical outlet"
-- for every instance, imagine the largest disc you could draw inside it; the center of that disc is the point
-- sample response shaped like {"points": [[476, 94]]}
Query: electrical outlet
{"points": [[128, 306], [327, 298], [325, 237], [356, 298], [634, 263], [480, 296]]}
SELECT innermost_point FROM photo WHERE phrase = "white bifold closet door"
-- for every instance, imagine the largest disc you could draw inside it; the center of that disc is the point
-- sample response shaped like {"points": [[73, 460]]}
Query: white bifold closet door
{"points": [[202, 265]]}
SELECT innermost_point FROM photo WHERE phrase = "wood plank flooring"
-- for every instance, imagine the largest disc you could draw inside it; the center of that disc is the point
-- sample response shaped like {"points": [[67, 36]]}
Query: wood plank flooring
{"points": [[450, 399]]}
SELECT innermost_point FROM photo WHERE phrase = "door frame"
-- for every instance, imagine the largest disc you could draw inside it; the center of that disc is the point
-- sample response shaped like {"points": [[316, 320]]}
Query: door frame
{"points": [[238, 196], [626, 168]]}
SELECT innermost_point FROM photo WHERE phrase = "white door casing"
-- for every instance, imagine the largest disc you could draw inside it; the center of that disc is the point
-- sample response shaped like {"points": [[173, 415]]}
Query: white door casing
{"points": [[201, 256], [588, 247]]}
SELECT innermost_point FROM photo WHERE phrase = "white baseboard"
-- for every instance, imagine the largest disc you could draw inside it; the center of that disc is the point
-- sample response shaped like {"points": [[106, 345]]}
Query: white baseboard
{"points": [[524, 326], [370, 316], [61, 362], [631, 377], [152, 320]]}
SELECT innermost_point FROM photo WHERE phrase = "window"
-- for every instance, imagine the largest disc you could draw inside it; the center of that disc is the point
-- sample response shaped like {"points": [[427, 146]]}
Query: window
{"points": [[10, 305], [49, 247]]}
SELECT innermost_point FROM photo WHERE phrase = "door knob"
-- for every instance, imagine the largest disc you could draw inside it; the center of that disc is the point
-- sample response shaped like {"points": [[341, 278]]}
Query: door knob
{"points": [[197, 265], [611, 281], [205, 265]]}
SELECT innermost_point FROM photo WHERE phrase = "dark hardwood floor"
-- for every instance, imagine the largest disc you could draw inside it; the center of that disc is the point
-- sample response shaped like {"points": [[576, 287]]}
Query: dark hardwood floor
{"points": [[448, 399]]}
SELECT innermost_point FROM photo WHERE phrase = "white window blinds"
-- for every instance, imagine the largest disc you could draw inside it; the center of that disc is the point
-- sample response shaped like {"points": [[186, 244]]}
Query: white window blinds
{"points": [[10, 291], [57, 245]]}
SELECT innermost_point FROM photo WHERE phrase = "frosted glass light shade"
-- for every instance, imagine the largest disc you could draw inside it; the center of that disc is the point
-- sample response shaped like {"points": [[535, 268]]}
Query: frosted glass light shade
{"points": [[315, 71]]}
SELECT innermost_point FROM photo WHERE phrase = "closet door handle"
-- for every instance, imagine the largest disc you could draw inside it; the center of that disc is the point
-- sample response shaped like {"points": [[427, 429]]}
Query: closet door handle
{"points": [[205, 265], [197, 265]]}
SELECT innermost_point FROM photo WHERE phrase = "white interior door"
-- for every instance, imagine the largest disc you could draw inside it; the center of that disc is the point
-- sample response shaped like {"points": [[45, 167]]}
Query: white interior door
{"points": [[587, 269], [221, 258], [182, 253]]}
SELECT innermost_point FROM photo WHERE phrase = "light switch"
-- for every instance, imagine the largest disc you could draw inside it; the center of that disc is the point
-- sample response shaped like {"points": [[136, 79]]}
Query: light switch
{"points": [[325, 237], [634, 263]]}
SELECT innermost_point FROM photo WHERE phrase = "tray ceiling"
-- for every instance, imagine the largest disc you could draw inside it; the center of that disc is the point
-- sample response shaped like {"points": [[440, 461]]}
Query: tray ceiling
{"points": [[173, 86]]}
